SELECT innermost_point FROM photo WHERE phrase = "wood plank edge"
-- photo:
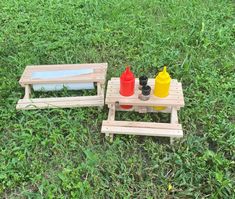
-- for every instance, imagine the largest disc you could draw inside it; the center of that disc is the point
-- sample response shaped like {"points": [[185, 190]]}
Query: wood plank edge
{"points": [[178, 135]]}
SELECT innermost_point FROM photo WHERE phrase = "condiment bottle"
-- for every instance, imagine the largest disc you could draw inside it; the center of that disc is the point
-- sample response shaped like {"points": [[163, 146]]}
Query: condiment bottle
{"points": [[145, 94], [127, 85], [143, 80], [162, 85]]}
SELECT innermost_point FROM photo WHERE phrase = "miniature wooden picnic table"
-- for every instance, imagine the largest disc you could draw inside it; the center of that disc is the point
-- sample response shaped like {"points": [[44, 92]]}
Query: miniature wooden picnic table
{"points": [[173, 102], [97, 76]]}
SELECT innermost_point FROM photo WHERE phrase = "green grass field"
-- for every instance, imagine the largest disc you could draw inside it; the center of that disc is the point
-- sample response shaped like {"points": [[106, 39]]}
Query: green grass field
{"points": [[60, 153]]}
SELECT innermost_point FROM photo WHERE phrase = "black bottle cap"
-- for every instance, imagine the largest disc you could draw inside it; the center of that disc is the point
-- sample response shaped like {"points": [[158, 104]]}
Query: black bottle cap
{"points": [[146, 90], [143, 80]]}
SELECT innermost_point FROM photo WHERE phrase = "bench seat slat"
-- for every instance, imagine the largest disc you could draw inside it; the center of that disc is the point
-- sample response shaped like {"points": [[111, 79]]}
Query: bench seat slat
{"points": [[142, 131], [142, 128], [142, 124], [60, 102], [61, 99]]}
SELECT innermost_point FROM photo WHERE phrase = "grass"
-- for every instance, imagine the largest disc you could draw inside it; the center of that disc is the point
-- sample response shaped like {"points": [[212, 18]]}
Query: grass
{"points": [[61, 153]]}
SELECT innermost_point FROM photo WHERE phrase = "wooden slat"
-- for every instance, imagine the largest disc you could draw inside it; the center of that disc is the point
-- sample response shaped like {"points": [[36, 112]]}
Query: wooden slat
{"points": [[72, 79], [149, 109], [69, 66], [28, 73], [142, 124], [151, 81], [173, 87], [61, 99], [135, 96], [142, 131], [60, 102], [115, 92], [150, 102]]}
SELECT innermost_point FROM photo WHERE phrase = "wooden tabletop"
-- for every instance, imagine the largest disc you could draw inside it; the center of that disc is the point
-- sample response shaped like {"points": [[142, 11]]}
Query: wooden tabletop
{"points": [[175, 97], [98, 75]]}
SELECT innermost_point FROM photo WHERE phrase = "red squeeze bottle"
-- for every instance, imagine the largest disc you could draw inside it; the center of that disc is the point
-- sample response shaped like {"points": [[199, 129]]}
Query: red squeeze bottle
{"points": [[127, 85]]}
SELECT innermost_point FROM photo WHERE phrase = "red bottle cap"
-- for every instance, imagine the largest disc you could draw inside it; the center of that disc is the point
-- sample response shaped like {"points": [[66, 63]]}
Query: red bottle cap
{"points": [[127, 75]]}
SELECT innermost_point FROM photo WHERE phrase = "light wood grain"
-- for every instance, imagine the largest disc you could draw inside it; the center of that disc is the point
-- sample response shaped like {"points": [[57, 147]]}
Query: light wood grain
{"points": [[111, 118], [98, 75], [149, 109], [27, 92], [151, 81], [174, 120], [175, 97], [150, 102], [64, 102], [61, 99], [142, 124], [142, 131]]}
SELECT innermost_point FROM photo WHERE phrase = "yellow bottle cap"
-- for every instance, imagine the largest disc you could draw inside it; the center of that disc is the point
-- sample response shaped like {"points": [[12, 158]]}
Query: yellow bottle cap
{"points": [[163, 75]]}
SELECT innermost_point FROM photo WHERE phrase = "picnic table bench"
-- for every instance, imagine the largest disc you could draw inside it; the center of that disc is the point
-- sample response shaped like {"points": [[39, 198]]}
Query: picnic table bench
{"points": [[97, 75]]}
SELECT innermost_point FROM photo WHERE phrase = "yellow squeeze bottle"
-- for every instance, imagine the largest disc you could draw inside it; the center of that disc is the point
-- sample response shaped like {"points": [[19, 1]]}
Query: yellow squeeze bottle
{"points": [[162, 85]]}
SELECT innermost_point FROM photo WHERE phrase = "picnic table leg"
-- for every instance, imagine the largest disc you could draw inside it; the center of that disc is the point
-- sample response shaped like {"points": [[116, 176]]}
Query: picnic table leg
{"points": [[100, 89], [174, 120], [27, 91], [111, 117]]}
